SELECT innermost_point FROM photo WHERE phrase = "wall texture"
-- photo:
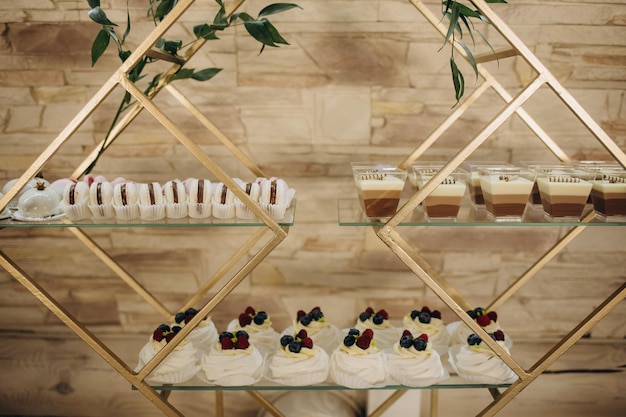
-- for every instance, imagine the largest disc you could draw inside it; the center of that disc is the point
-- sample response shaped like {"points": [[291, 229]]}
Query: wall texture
{"points": [[360, 80]]}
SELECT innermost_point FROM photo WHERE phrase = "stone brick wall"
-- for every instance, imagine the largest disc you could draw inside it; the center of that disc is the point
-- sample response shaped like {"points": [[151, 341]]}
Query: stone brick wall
{"points": [[361, 80]]}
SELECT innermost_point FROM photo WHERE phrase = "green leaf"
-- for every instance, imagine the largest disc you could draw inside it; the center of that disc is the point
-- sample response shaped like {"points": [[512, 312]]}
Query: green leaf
{"points": [[99, 45], [172, 47], [243, 16], [495, 1], [124, 55], [153, 83], [259, 31], [164, 7], [93, 3], [277, 8], [182, 74], [220, 18], [466, 22], [204, 31], [466, 11], [457, 80], [205, 74], [113, 35], [127, 31], [97, 15], [453, 16], [276, 37], [470, 58]]}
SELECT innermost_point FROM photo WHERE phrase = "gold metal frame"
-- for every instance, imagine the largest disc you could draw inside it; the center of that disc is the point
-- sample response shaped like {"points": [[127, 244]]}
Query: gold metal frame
{"points": [[387, 233]]}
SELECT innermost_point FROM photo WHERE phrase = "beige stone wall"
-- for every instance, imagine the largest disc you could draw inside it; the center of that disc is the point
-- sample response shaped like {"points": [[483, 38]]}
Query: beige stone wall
{"points": [[360, 80]]}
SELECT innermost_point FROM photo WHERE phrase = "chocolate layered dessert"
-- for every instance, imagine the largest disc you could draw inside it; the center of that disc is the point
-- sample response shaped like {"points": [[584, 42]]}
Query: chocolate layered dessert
{"points": [[445, 200], [609, 194], [506, 194], [380, 192], [563, 195]]}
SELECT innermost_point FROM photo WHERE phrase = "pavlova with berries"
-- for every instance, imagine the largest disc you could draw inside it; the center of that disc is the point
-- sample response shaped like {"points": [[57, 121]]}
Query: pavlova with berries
{"points": [[476, 362], [358, 363], [258, 325], [429, 322], [298, 361], [204, 336], [324, 334], [234, 361], [386, 333], [413, 362], [179, 366], [486, 319]]}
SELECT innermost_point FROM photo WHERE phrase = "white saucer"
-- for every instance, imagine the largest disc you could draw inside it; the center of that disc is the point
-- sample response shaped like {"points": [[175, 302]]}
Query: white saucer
{"points": [[19, 216]]}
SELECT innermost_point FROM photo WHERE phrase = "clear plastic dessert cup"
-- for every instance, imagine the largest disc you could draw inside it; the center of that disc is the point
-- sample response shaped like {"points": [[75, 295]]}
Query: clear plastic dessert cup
{"points": [[506, 191], [473, 182], [422, 169], [379, 188], [564, 193], [608, 193], [445, 200]]}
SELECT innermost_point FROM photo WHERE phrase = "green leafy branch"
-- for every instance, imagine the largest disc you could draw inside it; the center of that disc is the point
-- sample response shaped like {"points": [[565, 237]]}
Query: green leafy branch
{"points": [[460, 16], [259, 28]]}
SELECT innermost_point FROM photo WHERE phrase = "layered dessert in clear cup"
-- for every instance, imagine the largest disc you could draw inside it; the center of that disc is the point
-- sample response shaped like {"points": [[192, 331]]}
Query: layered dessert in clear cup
{"points": [[445, 200], [423, 170], [379, 188], [608, 193], [506, 191], [473, 181], [564, 193], [542, 167]]}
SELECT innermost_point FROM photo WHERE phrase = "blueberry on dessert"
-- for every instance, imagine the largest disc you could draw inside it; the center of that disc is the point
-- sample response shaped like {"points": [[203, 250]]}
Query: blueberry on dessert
{"points": [[250, 315]]}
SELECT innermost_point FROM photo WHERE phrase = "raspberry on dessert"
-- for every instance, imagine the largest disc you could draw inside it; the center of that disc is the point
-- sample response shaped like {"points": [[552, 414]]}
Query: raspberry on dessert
{"points": [[302, 334], [383, 314], [369, 310], [169, 337], [498, 335], [493, 316], [249, 311], [436, 314], [244, 319], [299, 314], [227, 343], [226, 335], [425, 309], [424, 336], [242, 342], [364, 341], [368, 333], [307, 342], [483, 320], [407, 332]]}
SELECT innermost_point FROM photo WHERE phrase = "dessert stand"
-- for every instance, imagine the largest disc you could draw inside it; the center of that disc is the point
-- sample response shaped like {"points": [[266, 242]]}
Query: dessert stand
{"points": [[269, 233]]}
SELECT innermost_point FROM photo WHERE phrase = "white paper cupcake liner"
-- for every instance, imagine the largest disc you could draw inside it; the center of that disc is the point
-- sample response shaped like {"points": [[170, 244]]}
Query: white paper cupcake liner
{"points": [[243, 212], [276, 211], [176, 210], [151, 212], [199, 210], [76, 211], [102, 211], [129, 212], [224, 211]]}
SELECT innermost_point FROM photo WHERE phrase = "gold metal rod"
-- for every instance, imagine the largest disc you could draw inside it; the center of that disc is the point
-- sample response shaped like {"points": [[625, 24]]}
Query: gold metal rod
{"points": [[202, 157], [56, 144], [491, 56], [389, 401], [266, 404], [434, 403], [552, 82], [120, 271], [462, 155], [540, 264], [557, 351], [84, 334], [219, 403], [219, 274], [249, 163], [164, 56], [450, 120]]}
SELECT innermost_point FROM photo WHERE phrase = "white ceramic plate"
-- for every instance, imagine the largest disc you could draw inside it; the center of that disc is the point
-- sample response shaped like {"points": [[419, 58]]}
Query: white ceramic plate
{"points": [[19, 216]]}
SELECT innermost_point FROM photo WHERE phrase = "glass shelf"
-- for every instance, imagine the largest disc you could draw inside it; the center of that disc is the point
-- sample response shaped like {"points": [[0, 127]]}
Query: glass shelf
{"points": [[454, 382], [286, 221], [350, 214]]}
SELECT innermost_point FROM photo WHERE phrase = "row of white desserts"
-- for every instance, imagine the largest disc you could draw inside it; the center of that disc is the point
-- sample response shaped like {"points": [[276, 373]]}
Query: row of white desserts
{"points": [[175, 199], [302, 355]]}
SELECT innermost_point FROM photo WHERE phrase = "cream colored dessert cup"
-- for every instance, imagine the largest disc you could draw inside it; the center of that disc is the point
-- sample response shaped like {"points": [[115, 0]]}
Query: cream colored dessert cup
{"points": [[445, 200], [609, 193], [563, 195], [473, 181], [506, 192], [379, 190]]}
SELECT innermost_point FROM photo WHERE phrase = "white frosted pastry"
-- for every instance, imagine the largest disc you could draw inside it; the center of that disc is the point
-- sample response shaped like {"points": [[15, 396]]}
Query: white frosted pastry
{"points": [[223, 202], [75, 201], [275, 196], [175, 197], [101, 200], [126, 200], [412, 361], [386, 333], [258, 325], [204, 336], [38, 202], [358, 363], [179, 366], [429, 322], [488, 320], [242, 211], [298, 361], [476, 362], [30, 184], [151, 201], [325, 335], [233, 361], [199, 197]]}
